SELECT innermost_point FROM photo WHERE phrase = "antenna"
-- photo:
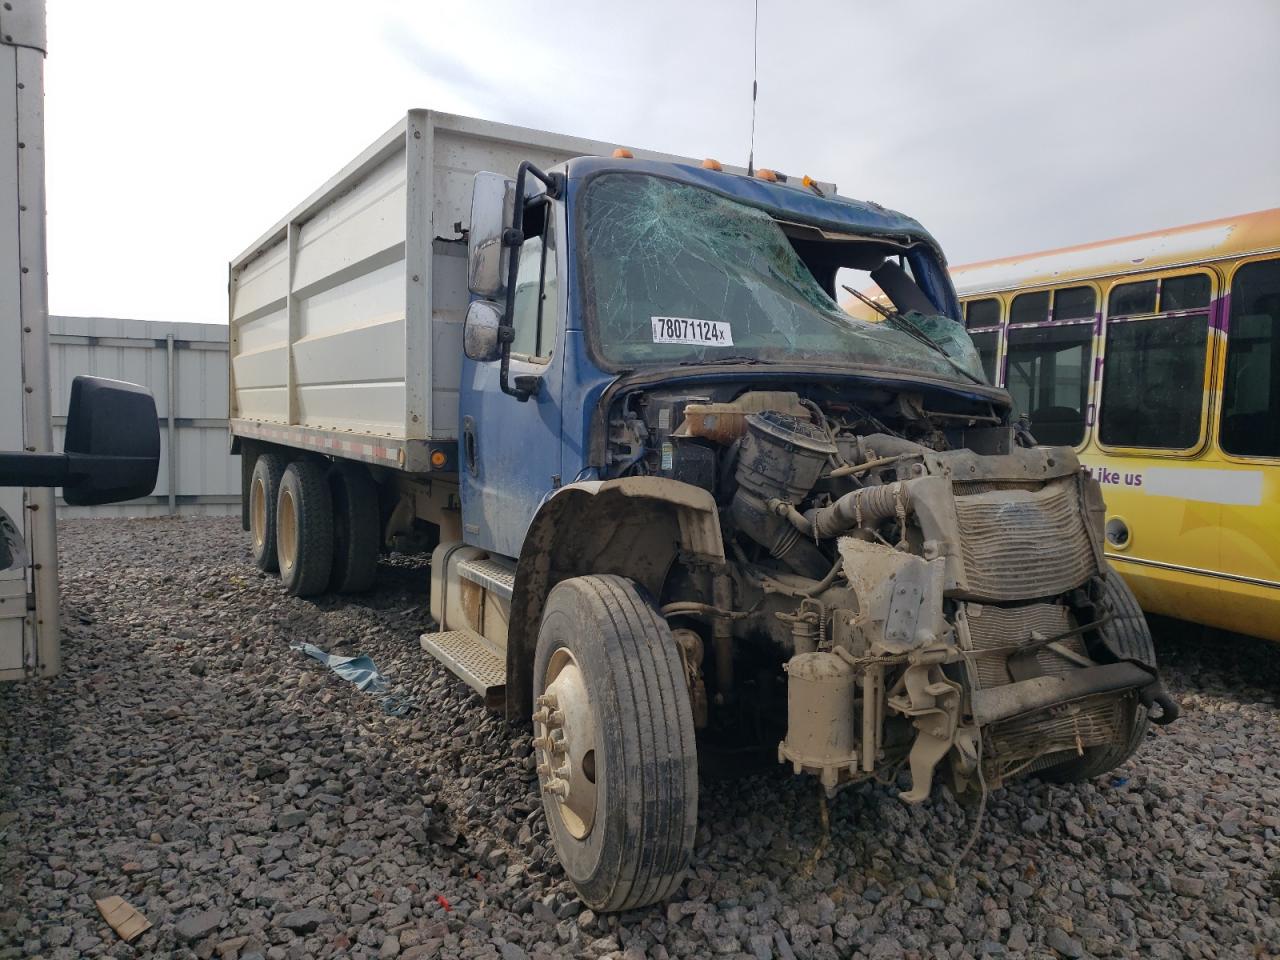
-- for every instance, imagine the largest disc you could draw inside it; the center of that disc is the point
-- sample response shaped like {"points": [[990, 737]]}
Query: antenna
{"points": [[755, 69]]}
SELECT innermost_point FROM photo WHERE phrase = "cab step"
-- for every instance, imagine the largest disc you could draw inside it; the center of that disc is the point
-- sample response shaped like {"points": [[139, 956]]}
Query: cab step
{"points": [[497, 575], [472, 659]]}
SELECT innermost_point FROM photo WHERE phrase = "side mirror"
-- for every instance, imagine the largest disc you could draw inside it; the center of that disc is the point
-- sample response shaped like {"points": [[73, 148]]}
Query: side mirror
{"points": [[480, 331], [493, 201], [112, 442], [112, 448]]}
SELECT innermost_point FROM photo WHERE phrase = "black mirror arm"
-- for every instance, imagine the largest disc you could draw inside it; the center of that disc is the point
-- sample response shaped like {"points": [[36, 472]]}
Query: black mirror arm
{"points": [[21, 469], [514, 239]]}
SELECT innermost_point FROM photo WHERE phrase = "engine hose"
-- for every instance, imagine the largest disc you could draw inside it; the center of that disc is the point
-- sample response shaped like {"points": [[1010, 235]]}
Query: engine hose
{"points": [[864, 507]]}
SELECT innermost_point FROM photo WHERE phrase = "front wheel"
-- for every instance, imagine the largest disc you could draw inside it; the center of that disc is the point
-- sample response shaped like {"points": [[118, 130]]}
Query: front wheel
{"points": [[614, 735], [1129, 637]]}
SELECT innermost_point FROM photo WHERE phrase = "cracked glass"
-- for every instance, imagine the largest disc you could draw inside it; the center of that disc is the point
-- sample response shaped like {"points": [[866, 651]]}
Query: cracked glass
{"points": [[668, 261]]}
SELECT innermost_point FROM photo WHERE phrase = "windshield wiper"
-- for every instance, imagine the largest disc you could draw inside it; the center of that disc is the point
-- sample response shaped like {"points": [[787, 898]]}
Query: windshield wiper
{"points": [[910, 329], [717, 360]]}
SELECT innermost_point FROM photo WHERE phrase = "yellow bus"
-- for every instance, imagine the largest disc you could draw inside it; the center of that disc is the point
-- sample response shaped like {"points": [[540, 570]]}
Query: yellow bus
{"points": [[1157, 357]]}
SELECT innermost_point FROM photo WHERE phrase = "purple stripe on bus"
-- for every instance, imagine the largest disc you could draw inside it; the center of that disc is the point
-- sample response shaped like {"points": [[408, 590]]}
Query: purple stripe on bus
{"points": [[1221, 310]]}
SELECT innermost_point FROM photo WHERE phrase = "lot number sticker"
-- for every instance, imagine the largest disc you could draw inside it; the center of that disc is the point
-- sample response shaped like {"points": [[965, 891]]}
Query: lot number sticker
{"points": [[697, 333]]}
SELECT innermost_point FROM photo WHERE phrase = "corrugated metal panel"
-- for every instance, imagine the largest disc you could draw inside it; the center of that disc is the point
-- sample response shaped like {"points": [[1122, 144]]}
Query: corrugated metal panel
{"points": [[347, 315], [206, 477]]}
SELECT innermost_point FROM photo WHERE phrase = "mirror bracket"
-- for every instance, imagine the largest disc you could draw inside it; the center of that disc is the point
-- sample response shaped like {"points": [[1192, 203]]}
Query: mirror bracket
{"points": [[527, 385], [515, 234]]}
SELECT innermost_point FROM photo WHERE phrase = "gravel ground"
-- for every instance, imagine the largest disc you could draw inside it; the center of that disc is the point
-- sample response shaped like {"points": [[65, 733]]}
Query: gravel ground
{"points": [[250, 804]]}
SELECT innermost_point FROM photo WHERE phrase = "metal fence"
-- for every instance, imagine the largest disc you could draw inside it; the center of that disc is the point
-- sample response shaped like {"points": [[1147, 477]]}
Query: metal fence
{"points": [[185, 367]]}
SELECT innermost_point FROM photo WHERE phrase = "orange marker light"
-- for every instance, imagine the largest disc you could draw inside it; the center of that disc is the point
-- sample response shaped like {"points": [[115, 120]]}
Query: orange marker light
{"points": [[622, 153], [438, 458], [709, 164], [763, 174]]}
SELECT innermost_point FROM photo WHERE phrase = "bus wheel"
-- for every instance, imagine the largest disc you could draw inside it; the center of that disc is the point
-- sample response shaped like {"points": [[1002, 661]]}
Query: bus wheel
{"points": [[264, 489], [356, 531], [304, 529], [1129, 636], [614, 736]]}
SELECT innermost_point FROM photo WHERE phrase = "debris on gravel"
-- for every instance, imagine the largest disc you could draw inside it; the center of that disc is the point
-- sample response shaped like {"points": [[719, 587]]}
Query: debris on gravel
{"points": [[254, 806]]}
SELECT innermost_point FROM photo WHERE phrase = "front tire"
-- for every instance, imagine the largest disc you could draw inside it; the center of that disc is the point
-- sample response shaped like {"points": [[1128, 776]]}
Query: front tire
{"points": [[1128, 637], [304, 529], [617, 761]]}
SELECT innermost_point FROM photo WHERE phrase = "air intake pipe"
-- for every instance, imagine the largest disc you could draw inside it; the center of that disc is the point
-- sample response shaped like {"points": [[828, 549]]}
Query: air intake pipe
{"points": [[861, 508], [780, 459]]}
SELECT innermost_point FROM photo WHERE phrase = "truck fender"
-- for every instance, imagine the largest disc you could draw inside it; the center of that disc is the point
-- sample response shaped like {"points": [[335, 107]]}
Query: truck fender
{"points": [[634, 527]]}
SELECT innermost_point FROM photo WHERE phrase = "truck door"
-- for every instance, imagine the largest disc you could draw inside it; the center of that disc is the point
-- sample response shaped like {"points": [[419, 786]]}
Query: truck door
{"points": [[510, 450]]}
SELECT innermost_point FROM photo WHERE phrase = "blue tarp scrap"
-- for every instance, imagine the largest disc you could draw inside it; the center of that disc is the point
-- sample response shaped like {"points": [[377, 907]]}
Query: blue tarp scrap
{"points": [[363, 672]]}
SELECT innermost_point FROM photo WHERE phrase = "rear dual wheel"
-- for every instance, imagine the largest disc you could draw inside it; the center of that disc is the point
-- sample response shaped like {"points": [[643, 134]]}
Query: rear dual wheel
{"points": [[614, 739], [264, 489], [304, 529], [321, 530]]}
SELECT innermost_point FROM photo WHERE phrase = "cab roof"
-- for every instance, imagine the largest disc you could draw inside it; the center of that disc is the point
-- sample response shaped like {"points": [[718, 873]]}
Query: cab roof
{"points": [[784, 201]]}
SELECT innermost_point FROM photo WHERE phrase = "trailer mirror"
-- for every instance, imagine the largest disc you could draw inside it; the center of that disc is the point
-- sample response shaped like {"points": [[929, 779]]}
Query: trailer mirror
{"points": [[493, 201], [112, 444], [480, 331]]}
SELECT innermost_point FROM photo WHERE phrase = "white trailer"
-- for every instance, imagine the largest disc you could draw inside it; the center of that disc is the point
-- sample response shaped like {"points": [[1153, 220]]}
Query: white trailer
{"points": [[346, 316], [29, 565], [112, 442]]}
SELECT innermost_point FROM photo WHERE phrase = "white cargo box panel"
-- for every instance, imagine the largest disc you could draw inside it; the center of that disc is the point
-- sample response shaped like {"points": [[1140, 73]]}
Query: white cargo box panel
{"points": [[346, 317]]}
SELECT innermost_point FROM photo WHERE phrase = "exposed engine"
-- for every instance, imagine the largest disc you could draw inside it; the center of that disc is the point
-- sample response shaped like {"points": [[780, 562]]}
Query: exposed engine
{"points": [[933, 584]]}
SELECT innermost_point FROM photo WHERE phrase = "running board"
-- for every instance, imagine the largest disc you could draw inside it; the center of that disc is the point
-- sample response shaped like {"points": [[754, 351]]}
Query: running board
{"points": [[496, 576], [473, 660]]}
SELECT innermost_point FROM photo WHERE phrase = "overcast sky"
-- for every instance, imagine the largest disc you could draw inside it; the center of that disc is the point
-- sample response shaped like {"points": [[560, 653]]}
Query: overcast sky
{"points": [[178, 132]]}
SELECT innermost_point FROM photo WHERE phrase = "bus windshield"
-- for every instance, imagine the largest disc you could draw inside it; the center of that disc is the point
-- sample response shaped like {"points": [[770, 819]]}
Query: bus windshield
{"points": [[675, 273]]}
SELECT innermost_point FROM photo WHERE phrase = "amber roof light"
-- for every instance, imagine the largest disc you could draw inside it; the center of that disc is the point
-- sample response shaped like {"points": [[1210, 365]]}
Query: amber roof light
{"points": [[709, 164], [622, 153]]}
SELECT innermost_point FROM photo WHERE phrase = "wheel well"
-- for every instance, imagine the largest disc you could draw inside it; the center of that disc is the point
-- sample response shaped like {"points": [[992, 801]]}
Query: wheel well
{"points": [[637, 528]]}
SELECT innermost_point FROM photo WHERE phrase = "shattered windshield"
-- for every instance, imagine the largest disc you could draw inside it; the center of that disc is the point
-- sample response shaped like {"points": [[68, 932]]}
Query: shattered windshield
{"points": [[679, 274]]}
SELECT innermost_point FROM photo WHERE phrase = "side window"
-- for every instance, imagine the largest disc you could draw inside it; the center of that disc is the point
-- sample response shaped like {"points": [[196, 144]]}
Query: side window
{"points": [[1153, 383], [1030, 307], [1130, 299], [986, 343], [1048, 378], [982, 313], [535, 309], [1153, 386], [1251, 386], [982, 320], [1074, 303]]}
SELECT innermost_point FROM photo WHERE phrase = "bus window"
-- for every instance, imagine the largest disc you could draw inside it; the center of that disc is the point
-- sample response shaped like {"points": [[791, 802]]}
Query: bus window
{"points": [[1074, 303], [982, 313], [985, 342], [1048, 378], [1129, 299], [1188, 292], [1030, 307], [1251, 387], [1153, 384]]}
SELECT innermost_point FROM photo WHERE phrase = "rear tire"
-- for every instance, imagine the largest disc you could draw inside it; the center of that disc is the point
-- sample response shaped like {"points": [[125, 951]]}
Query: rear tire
{"points": [[620, 786], [356, 531], [304, 529], [1129, 637], [264, 489]]}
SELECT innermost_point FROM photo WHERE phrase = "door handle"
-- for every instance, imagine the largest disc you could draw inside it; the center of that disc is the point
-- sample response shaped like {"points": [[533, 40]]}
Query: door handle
{"points": [[469, 446]]}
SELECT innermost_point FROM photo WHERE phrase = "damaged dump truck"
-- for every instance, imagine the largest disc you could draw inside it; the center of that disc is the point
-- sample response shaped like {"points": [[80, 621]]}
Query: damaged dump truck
{"points": [[677, 498]]}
